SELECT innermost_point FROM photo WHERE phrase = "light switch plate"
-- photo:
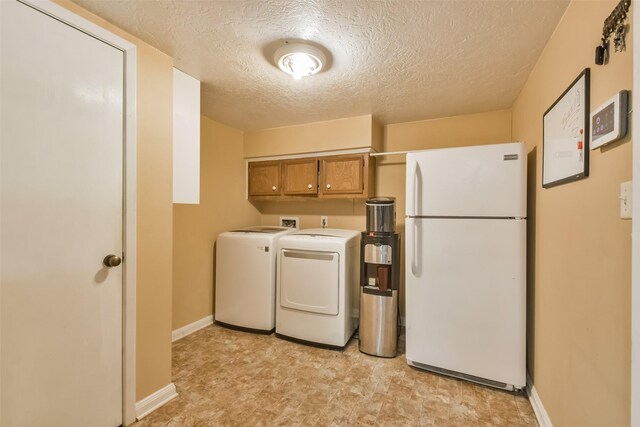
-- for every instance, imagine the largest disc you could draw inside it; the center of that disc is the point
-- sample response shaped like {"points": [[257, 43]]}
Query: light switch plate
{"points": [[625, 200]]}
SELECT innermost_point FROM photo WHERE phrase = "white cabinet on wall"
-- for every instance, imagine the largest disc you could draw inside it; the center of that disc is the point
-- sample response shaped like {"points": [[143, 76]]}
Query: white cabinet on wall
{"points": [[186, 138]]}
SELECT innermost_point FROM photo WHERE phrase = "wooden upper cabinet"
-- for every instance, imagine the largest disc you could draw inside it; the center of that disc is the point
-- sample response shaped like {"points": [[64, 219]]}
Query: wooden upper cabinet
{"points": [[264, 179], [342, 175], [300, 176], [349, 176]]}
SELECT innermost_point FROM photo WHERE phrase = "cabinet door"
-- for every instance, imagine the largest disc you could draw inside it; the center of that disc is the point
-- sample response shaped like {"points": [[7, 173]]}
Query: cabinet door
{"points": [[264, 179], [342, 175], [300, 176]]}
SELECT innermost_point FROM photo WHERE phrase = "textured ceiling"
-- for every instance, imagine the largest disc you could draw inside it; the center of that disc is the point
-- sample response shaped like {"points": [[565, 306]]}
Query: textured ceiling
{"points": [[399, 60]]}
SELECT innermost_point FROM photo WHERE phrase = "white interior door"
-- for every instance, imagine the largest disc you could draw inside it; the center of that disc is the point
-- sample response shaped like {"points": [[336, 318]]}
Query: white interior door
{"points": [[61, 214], [466, 296]]}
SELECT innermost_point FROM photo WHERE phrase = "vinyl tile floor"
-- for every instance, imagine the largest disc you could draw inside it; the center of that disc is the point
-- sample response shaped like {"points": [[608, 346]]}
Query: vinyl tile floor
{"points": [[231, 378]]}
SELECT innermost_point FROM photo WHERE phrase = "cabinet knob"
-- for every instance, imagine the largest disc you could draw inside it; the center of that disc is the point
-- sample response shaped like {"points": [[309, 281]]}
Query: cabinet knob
{"points": [[309, 186], [328, 185], [274, 188]]}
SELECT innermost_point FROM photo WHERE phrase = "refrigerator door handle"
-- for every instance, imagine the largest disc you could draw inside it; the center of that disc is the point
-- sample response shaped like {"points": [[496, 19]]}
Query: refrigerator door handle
{"points": [[417, 244], [413, 192]]}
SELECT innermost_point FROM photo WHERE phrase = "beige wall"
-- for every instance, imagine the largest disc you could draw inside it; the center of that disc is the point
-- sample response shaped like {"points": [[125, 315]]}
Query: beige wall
{"points": [[352, 132], [154, 220], [344, 213], [579, 248], [222, 207], [154, 210], [342, 134], [474, 129]]}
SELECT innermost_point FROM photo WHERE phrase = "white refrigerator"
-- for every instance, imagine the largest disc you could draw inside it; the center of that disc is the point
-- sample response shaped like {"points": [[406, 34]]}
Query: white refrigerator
{"points": [[465, 263]]}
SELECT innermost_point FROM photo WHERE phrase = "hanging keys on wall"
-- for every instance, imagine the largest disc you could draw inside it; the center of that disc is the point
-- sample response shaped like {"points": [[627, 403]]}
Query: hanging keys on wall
{"points": [[614, 24], [602, 52], [618, 37]]}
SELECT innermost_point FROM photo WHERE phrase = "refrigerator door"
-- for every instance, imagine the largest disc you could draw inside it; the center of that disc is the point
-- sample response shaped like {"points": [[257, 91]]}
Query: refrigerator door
{"points": [[480, 181], [465, 297]]}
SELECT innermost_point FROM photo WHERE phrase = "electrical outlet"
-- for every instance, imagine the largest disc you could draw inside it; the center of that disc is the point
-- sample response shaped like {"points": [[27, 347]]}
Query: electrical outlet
{"points": [[324, 221], [625, 200]]}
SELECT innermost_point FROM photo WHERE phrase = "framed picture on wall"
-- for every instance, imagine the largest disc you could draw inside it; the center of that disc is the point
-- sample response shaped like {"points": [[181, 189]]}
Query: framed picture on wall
{"points": [[565, 135]]}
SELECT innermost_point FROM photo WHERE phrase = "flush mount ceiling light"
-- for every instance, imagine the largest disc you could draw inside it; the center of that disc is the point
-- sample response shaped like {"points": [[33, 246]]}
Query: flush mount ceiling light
{"points": [[300, 59]]}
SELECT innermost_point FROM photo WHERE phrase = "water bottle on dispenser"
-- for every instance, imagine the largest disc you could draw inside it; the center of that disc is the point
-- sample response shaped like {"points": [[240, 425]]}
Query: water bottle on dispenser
{"points": [[379, 279]]}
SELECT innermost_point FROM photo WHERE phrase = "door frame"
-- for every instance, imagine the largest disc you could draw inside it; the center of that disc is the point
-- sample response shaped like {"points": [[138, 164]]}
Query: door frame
{"points": [[129, 192], [635, 233]]}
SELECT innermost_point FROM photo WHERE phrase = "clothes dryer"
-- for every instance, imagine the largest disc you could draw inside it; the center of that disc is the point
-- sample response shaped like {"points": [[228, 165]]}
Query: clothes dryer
{"points": [[317, 286]]}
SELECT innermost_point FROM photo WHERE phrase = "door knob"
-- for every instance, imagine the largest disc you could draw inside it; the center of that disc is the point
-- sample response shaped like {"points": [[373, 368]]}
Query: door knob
{"points": [[328, 185], [111, 261], [274, 188], [309, 186]]}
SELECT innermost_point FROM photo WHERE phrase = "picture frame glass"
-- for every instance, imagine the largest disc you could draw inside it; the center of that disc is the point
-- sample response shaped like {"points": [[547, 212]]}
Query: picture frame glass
{"points": [[566, 135]]}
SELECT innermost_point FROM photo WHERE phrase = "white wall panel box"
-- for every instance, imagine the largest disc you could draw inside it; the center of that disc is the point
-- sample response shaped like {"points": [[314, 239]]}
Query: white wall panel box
{"points": [[186, 138]]}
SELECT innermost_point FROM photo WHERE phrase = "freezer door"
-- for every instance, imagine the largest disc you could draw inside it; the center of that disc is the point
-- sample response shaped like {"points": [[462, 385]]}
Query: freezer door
{"points": [[466, 296], [480, 181]]}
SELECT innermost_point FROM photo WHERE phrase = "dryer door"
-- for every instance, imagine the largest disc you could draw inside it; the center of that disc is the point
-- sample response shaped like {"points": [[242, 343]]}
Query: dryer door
{"points": [[309, 281]]}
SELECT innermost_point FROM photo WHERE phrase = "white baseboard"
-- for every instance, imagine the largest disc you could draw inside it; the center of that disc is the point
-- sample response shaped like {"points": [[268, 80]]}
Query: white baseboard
{"points": [[191, 328], [538, 407], [155, 400]]}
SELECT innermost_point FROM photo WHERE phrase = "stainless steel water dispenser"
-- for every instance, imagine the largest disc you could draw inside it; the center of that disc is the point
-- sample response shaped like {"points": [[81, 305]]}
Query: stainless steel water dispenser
{"points": [[379, 280], [381, 214]]}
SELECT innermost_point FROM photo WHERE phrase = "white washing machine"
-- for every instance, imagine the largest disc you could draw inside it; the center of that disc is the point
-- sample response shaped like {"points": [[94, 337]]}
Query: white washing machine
{"points": [[246, 278], [317, 287]]}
